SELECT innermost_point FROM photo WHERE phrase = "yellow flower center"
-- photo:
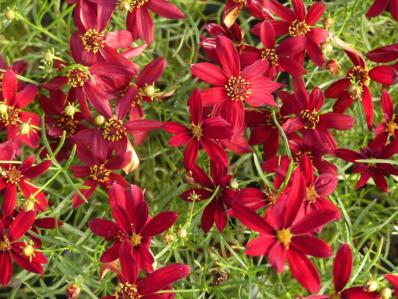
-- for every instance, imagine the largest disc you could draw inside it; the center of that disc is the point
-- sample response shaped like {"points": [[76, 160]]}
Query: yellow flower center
{"points": [[284, 236], [93, 41], [197, 131], [12, 175], [298, 28], [391, 127], [9, 116], [29, 250], [5, 245], [270, 55], [99, 173], [113, 129], [359, 75], [130, 5], [135, 239], [67, 124], [77, 77], [311, 194], [127, 291], [310, 117], [238, 88]]}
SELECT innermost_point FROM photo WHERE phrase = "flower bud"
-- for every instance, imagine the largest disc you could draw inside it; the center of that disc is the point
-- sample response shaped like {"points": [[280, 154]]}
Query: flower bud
{"points": [[71, 109], [72, 291], [25, 128], [169, 238], [328, 22], [234, 184], [182, 233], [386, 293], [10, 15], [371, 286], [332, 66], [149, 91], [99, 120]]}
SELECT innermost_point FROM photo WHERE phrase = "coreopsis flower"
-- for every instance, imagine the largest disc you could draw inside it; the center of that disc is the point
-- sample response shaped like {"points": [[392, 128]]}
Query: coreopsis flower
{"points": [[304, 37], [376, 149], [203, 133], [384, 54], [134, 229], [342, 269], [234, 86], [93, 84], [379, 6], [91, 43], [99, 169], [264, 131], [21, 126], [389, 127], [17, 177], [279, 59], [204, 187], [232, 9], [308, 116], [130, 286], [12, 248], [354, 87], [285, 236]]}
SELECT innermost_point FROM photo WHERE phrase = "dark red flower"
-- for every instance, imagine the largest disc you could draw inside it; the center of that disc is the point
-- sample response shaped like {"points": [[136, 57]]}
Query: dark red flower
{"points": [[12, 248], [204, 132], [91, 43], [204, 187], [308, 117], [299, 25], [130, 286], [21, 126], [354, 87], [389, 128], [379, 6], [233, 85], [285, 236], [257, 8], [342, 268], [134, 228], [279, 60], [100, 164], [377, 149], [15, 177]]}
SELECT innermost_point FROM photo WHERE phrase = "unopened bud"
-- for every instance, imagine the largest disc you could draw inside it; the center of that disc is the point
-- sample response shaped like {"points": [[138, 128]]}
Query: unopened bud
{"points": [[328, 22], [149, 91], [182, 233], [234, 184], [71, 109], [99, 120], [371, 286], [10, 15], [169, 238], [332, 66], [25, 128], [327, 49], [72, 291]]}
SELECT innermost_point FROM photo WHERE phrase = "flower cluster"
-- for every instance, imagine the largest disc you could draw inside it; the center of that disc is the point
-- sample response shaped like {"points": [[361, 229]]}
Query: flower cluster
{"points": [[250, 98]]}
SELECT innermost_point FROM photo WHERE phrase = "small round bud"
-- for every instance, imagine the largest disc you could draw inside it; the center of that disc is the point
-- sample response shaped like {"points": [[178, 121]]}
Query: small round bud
{"points": [[72, 291], [99, 120], [25, 128], [234, 184], [149, 91], [327, 49], [3, 109], [10, 15], [332, 66], [169, 238], [182, 233], [70, 110], [328, 22], [28, 204], [28, 250], [386, 293], [371, 286]]}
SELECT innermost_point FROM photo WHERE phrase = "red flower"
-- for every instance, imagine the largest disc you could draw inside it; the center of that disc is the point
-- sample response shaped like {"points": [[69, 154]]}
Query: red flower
{"points": [[279, 60], [379, 6], [342, 268], [284, 236], [233, 85], [14, 177], [149, 286], [99, 167], [390, 125], [203, 189], [21, 125], [378, 171], [309, 118], [91, 43], [257, 8], [202, 133], [299, 25], [133, 231], [25, 254], [353, 88]]}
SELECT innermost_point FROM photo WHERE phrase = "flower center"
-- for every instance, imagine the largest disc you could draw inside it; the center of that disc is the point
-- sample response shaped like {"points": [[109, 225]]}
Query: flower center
{"points": [[130, 5], [135, 239], [5, 244], [270, 55], [67, 124], [298, 28], [9, 116], [29, 250], [391, 127], [12, 175], [99, 173], [197, 131], [359, 76], [127, 291], [284, 236], [93, 41], [77, 77], [311, 194], [113, 129], [238, 88], [310, 117]]}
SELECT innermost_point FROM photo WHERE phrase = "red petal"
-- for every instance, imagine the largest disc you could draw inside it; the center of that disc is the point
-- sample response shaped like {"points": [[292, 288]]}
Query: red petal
{"points": [[313, 246], [9, 86], [342, 267], [313, 221], [21, 224], [384, 74], [209, 73], [190, 154], [151, 72], [251, 219], [6, 268], [165, 9], [159, 224], [228, 56], [260, 246], [103, 228], [377, 8], [315, 12]]}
